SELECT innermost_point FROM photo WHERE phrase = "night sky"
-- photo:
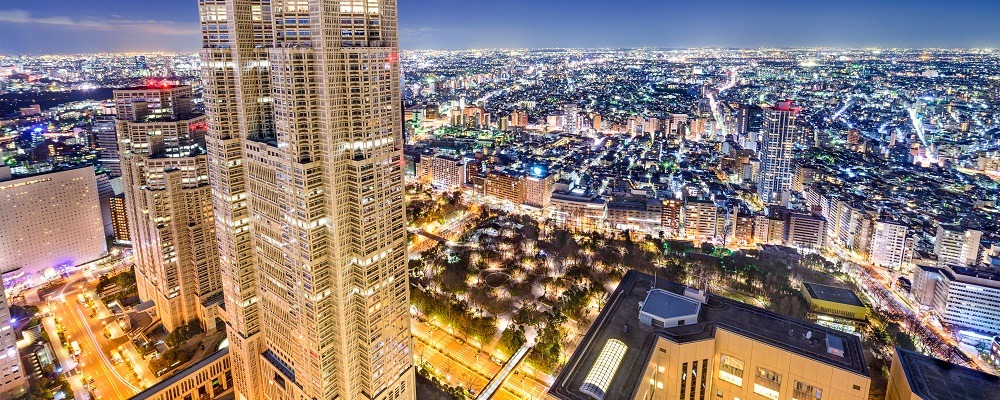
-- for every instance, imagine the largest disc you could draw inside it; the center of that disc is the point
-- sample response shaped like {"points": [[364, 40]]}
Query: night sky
{"points": [[68, 26]]}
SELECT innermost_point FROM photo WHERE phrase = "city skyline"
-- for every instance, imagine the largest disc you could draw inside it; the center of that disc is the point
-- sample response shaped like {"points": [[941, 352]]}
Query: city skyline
{"points": [[116, 26], [339, 200]]}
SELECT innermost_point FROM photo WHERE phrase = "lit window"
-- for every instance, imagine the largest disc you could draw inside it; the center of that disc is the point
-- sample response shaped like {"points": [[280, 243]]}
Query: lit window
{"points": [[731, 370], [767, 383], [805, 391]]}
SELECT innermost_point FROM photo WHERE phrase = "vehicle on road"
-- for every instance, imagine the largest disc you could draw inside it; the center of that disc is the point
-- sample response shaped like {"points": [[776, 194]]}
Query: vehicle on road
{"points": [[116, 357], [76, 348]]}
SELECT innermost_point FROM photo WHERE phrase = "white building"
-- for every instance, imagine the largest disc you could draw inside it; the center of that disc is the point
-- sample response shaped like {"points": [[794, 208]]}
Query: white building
{"points": [[806, 231], [701, 220], [444, 172], [50, 220], [962, 297], [888, 245], [768, 230], [854, 230], [13, 381], [955, 245]]}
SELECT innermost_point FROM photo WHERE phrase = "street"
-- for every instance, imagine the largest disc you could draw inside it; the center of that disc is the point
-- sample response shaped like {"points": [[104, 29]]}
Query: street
{"points": [[877, 285], [462, 364], [110, 381]]}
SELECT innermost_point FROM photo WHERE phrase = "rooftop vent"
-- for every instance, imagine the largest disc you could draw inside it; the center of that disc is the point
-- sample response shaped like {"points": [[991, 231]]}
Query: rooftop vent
{"points": [[695, 294]]}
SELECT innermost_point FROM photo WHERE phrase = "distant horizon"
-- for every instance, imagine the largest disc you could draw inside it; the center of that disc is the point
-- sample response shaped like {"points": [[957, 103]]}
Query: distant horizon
{"points": [[830, 48], [30, 27]]}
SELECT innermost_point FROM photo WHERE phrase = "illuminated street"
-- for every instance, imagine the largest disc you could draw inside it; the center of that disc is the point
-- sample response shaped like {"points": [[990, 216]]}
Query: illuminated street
{"points": [[110, 381], [462, 364]]}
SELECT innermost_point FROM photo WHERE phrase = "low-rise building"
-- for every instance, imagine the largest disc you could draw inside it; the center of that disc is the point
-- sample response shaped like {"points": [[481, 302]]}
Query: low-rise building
{"points": [[578, 212], [834, 301], [635, 213], [13, 379], [995, 351]]}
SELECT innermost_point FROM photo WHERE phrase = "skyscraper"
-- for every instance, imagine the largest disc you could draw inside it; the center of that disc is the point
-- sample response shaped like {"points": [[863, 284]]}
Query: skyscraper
{"points": [[13, 380], [107, 142], [168, 201], [306, 160], [749, 122], [50, 221], [779, 134]]}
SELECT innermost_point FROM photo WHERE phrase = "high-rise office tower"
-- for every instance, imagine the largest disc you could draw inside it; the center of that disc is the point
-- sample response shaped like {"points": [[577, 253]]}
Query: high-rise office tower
{"points": [[306, 160], [749, 122], [50, 222], [107, 142], [119, 218], [778, 136], [13, 380], [168, 201]]}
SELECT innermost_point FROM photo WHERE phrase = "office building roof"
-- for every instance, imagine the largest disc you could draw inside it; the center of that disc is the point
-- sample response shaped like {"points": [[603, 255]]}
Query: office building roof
{"points": [[662, 304], [934, 379], [809, 340], [180, 375], [833, 294]]}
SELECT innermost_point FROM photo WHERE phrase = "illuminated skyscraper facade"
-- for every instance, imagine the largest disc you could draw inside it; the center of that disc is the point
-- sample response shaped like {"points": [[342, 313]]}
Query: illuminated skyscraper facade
{"points": [[305, 151], [779, 134], [13, 380], [168, 201]]}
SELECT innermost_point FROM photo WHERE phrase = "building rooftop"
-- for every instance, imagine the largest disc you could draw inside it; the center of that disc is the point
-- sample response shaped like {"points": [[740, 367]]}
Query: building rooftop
{"points": [[178, 376], [981, 273], [934, 379], [833, 294], [154, 85], [666, 305], [822, 344]]}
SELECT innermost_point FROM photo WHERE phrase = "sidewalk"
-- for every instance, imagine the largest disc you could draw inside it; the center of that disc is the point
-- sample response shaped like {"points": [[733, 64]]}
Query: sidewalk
{"points": [[66, 362]]}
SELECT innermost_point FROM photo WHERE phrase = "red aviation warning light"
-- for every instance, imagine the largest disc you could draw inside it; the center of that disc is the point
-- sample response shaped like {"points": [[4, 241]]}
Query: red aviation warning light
{"points": [[159, 84]]}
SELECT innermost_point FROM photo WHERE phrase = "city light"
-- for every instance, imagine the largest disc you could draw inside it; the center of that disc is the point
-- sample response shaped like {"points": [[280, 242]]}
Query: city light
{"points": [[298, 184]]}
